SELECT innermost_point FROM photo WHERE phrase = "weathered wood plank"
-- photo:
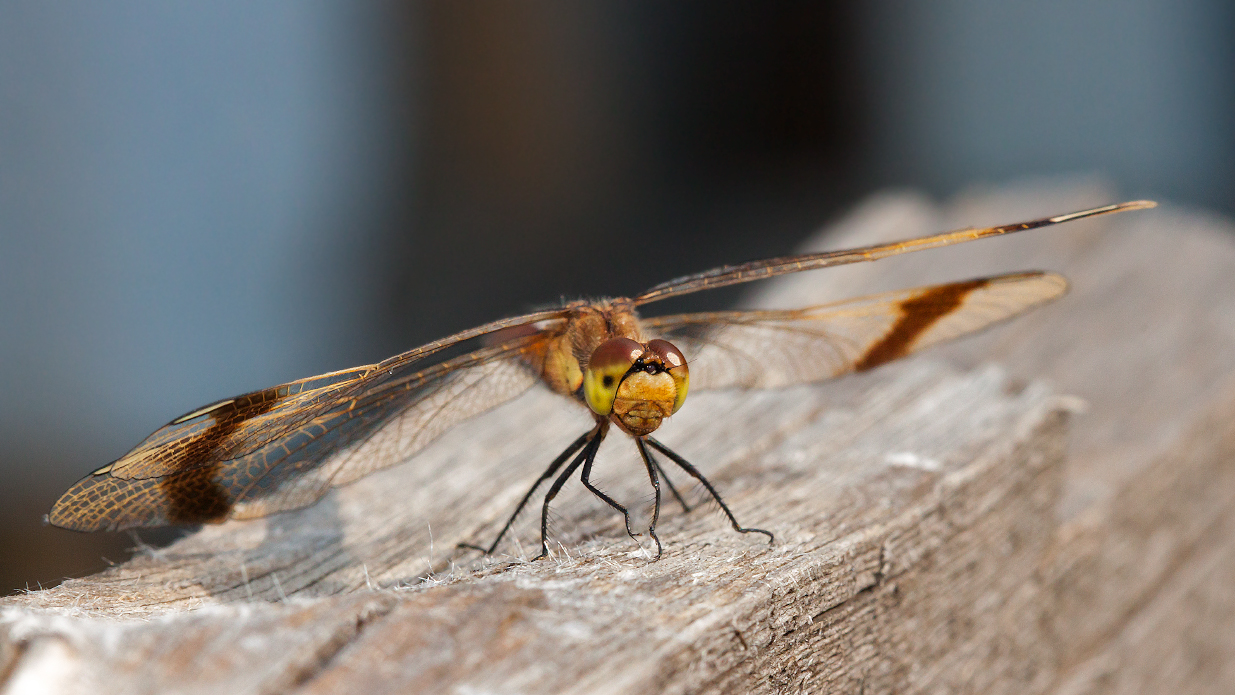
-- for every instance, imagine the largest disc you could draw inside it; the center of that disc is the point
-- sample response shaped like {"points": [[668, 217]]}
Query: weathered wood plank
{"points": [[936, 527]]}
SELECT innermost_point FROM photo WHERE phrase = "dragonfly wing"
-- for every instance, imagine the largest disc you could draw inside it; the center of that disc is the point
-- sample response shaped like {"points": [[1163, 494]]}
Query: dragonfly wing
{"points": [[771, 348], [283, 447], [410, 420], [771, 267]]}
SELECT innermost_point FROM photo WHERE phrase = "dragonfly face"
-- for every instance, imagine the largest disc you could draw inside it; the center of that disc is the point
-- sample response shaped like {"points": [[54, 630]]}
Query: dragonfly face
{"points": [[637, 384], [284, 447]]}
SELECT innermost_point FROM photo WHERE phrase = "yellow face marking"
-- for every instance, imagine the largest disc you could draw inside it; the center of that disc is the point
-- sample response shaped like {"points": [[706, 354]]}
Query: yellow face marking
{"points": [[641, 386], [643, 401], [609, 363], [675, 364]]}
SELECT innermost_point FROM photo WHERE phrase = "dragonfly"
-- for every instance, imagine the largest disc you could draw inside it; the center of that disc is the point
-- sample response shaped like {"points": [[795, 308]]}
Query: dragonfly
{"points": [[285, 447]]}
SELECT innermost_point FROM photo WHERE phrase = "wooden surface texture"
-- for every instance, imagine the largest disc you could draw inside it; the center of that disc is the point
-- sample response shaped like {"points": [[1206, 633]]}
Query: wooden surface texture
{"points": [[1046, 508]]}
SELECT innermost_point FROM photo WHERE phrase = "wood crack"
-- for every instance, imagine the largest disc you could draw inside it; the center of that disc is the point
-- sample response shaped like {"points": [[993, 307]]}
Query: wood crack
{"points": [[326, 655]]}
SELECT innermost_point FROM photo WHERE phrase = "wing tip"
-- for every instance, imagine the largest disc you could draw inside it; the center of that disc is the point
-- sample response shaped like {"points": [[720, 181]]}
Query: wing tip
{"points": [[1104, 210], [1059, 282]]}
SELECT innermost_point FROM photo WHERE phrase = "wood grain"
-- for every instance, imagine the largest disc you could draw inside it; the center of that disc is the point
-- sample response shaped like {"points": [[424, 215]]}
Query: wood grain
{"points": [[1046, 508]]}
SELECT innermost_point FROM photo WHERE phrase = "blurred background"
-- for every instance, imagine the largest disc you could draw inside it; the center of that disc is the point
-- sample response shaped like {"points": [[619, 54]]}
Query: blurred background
{"points": [[198, 200]]}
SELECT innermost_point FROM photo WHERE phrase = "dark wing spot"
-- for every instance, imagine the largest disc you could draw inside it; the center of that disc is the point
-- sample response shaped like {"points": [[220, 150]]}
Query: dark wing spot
{"points": [[917, 315], [195, 496], [189, 489]]}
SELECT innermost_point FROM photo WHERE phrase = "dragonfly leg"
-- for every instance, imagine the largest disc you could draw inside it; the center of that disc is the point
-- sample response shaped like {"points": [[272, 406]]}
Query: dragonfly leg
{"points": [[669, 484], [694, 472], [652, 468], [585, 477], [557, 463], [588, 453]]}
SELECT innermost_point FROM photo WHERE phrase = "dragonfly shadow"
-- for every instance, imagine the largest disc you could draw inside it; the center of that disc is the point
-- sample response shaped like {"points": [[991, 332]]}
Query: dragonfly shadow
{"points": [[301, 553]]}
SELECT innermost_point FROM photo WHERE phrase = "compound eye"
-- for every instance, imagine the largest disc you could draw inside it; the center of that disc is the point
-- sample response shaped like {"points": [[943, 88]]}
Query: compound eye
{"points": [[675, 364], [609, 363]]}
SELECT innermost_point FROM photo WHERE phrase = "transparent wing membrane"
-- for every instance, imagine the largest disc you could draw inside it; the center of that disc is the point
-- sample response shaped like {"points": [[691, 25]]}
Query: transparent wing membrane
{"points": [[763, 349], [760, 270], [283, 447]]}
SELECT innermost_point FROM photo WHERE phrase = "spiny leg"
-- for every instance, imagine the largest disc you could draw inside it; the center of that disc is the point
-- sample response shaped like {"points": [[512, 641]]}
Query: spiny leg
{"points": [[685, 465], [652, 468], [588, 453], [557, 463], [585, 478], [669, 484]]}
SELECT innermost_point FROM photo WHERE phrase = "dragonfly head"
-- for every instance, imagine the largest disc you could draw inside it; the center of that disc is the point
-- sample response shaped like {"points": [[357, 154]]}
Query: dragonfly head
{"points": [[636, 384]]}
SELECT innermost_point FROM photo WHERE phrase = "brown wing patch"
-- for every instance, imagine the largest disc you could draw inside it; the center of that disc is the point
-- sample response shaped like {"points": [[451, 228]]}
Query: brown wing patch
{"points": [[195, 496], [773, 348], [917, 315], [283, 447]]}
